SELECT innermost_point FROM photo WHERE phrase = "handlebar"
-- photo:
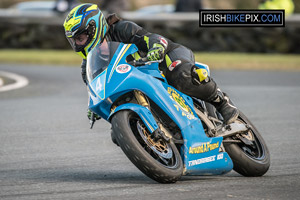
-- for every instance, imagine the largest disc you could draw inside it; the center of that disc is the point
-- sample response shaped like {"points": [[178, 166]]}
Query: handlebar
{"points": [[142, 62]]}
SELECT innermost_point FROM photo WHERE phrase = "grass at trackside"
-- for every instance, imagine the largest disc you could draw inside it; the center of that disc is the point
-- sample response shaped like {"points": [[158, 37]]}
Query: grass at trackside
{"points": [[42, 57], [250, 61], [214, 60]]}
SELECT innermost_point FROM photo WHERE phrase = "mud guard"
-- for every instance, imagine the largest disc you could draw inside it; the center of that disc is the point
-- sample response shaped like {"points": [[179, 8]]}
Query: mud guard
{"points": [[142, 111]]}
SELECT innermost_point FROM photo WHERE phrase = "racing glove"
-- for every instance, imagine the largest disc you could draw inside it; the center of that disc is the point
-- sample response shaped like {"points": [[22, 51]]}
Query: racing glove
{"points": [[156, 52], [92, 116]]}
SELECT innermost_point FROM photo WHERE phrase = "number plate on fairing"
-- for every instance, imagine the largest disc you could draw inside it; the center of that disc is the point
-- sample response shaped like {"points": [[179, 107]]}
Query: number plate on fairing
{"points": [[98, 85]]}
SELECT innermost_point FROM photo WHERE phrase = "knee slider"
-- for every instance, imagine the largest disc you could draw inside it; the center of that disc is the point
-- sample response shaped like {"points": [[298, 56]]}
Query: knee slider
{"points": [[199, 75]]}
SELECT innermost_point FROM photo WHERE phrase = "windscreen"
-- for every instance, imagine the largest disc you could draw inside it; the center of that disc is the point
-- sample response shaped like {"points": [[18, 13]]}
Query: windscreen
{"points": [[99, 58]]}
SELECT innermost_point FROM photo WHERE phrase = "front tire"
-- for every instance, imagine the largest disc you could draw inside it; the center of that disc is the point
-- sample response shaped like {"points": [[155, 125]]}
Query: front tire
{"points": [[159, 159], [249, 160]]}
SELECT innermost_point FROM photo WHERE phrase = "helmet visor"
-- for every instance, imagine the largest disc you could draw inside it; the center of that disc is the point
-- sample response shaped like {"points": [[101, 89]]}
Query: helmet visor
{"points": [[79, 41]]}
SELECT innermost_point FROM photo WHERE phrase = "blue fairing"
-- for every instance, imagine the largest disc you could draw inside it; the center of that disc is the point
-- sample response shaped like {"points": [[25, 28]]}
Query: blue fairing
{"points": [[200, 153]]}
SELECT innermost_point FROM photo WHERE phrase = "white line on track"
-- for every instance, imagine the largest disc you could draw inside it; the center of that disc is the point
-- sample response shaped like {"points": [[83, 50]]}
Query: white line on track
{"points": [[20, 81]]}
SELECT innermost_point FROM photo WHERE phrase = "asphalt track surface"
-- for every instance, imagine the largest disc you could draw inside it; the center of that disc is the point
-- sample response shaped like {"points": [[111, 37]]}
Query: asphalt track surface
{"points": [[47, 150]]}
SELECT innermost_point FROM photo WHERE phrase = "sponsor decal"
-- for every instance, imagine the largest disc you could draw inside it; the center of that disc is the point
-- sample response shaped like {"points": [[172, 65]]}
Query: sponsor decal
{"points": [[180, 104], [206, 160], [220, 156], [205, 147], [202, 160], [174, 64], [123, 68], [164, 42]]}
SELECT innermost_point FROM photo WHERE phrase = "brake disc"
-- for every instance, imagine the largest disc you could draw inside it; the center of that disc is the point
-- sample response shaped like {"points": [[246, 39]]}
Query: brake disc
{"points": [[160, 147]]}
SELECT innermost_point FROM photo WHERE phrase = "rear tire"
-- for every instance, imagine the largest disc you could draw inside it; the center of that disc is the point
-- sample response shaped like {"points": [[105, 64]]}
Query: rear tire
{"points": [[128, 129], [249, 160]]}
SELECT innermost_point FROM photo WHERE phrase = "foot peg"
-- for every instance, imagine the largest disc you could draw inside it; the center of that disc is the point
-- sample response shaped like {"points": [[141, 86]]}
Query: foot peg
{"points": [[232, 129]]}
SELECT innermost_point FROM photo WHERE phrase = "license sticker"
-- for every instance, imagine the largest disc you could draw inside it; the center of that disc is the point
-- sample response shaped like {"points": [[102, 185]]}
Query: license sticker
{"points": [[123, 68]]}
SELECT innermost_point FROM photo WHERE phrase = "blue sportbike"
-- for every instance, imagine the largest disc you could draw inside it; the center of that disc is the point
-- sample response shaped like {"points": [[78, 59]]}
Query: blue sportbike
{"points": [[165, 133]]}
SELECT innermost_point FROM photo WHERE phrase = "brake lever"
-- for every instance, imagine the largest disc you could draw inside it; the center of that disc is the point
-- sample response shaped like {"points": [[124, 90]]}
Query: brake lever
{"points": [[155, 61]]}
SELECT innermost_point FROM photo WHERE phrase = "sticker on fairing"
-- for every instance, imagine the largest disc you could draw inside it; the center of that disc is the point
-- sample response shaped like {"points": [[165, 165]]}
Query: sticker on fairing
{"points": [[123, 68], [180, 104]]}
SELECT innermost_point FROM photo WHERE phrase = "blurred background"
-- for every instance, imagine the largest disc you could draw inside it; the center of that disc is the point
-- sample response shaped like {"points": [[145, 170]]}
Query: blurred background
{"points": [[37, 24]]}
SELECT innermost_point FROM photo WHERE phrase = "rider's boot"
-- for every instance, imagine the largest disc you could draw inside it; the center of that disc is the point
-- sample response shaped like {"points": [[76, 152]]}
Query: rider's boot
{"points": [[222, 103]]}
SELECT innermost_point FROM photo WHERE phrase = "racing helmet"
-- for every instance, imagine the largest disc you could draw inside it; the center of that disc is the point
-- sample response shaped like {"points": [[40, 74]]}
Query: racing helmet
{"points": [[89, 20]]}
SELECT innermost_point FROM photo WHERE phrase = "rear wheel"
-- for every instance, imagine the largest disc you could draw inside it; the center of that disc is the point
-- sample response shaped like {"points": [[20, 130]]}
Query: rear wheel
{"points": [[156, 158], [251, 157]]}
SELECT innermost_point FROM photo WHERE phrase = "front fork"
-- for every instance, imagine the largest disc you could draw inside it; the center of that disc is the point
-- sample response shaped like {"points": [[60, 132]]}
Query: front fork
{"points": [[161, 132], [141, 99]]}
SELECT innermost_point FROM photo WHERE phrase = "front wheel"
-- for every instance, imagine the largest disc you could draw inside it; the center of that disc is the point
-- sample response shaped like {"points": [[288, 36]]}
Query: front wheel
{"points": [[156, 158], [252, 159]]}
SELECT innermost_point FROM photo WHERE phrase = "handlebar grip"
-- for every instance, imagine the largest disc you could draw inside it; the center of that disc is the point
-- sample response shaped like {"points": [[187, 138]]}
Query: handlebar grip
{"points": [[143, 61]]}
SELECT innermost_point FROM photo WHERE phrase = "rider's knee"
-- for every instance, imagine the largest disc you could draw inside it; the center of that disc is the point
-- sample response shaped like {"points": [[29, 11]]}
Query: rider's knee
{"points": [[200, 74]]}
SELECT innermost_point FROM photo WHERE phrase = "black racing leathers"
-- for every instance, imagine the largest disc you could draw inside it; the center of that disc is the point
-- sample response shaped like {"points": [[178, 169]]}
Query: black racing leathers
{"points": [[177, 63]]}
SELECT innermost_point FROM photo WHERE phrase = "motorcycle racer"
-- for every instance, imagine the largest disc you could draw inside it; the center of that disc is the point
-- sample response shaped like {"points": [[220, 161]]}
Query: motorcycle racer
{"points": [[85, 27]]}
